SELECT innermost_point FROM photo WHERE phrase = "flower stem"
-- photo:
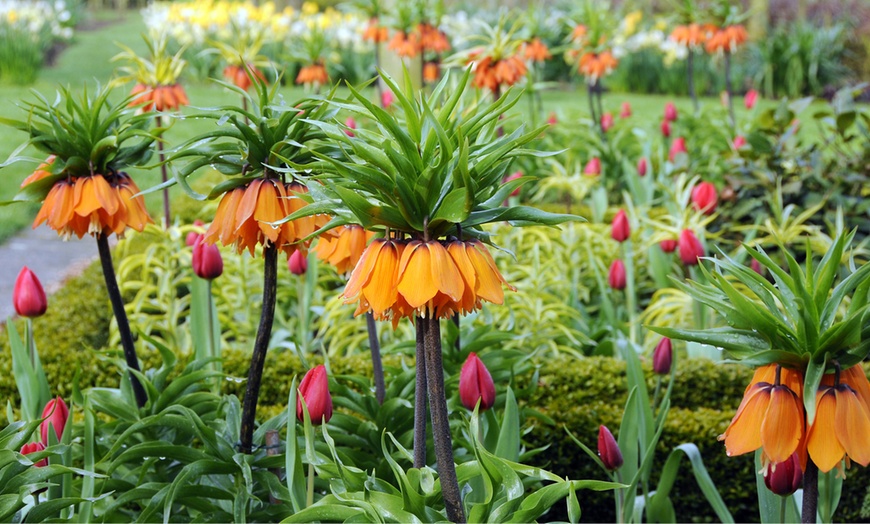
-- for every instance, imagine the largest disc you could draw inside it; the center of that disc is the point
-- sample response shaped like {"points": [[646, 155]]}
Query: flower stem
{"points": [[164, 177], [440, 422], [728, 90], [28, 340], [420, 399], [690, 73], [782, 507], [309, 498], [377, 365], [120, 316], [811, 493], [213, 350], [590, 94], [261, 345]]}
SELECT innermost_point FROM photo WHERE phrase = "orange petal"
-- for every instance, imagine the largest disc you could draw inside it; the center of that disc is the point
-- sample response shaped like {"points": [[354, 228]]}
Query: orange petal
{"points": [[362, 272], [445, 274], [822, 443], [415, 275], [744, 433], [857, 380], [783, 425], [852, 423], [105, 195], [380, 290], [248, 203]]}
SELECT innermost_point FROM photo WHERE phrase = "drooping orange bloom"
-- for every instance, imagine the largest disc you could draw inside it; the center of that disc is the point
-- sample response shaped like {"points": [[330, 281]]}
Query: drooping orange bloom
{"points": [[93, 205], [579, 33], [314, 74], [692, 35], [405, 45], [597, 65], [239, 76], [841, 428], [245, 215], [374, 280], [343, 247], [159, 98], [726, 39], [42, 171], [771, 415], [432, 39], [482, 279], [492, 74], [375, 32], [431, 72], [536, 50]]}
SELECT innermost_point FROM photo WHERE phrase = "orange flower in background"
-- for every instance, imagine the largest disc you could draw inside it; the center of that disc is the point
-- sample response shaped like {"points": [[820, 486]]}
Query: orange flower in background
{"points": [[431, 72], [771, 415], [159, 98], [433, 39], [536, 50], [314, 74], [727, 39], [579, 33], [492, 75], [93, 205], [343, 247], [245, 215], [42, 171], [842, 423], [405, 45], [375, 32], [691, 35], [597, 65], [239, 76]]}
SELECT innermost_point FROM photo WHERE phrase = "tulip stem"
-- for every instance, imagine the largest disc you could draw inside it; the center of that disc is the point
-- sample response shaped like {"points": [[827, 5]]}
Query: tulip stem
{"points": [[782, 506], [656, 392], [728, 90], [28, 339], [261, 345], [620, 496], [120, 316], [690, 73], [377, 365], [420, 399], [163, 177], [309, 497], [811, 493], [590, 93], [440, 422], [212, 345], [598, 90]]}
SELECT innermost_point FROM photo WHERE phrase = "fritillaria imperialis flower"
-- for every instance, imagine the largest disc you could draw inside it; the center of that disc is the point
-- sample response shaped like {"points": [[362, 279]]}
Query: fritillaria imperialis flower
{"points": [[55, 414], [784, 478], [670, 112], [406, 45], [297, 263], [597, 65], [726, 39], [536, 50], [374, 32], [642, 166], [842, 423], [616, 276], [750, 98], [312, 75], [314, 389], [668, 246], [739, 141], [691, 35], [475, 384], [608, 449], [705, 197], [238, 75], [493, 74], [343, 247], [28, 297], [663, 356], [625, 112], [606, 122], [431, 72], [35, 447], [677, 147], [207, 261], [593, 167], [620, 229], [432, 39], [159, 98], [690, 248]]}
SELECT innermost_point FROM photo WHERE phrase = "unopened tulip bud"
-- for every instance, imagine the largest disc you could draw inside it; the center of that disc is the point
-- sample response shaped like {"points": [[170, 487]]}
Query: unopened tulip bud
{"points": [[552, 120], [663, 356], [193, 236], [314, 389], [705, 198], [666, 129], [387, 98], [511, 177], [351, 124], [750, 98], [668, 246], [35, 447], [207, 261], [784, 478], [55, 413], [626, 110], [620, 229], [739, 141], [678, 146], [608, 449], [593, 167], [616, 276], [756, 266], [476, 384], [297, 263], [670, 112], [690, 248], [642, 166], [28, 297], [606, 122]]}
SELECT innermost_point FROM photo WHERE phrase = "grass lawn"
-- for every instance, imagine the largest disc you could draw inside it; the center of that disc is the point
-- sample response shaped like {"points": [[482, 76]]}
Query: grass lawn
{"points": [[87, 60]]}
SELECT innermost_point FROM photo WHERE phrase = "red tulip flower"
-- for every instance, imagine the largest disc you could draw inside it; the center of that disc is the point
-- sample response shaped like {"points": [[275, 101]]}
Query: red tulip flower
{"points": [[750, 98], [666, 129], [193, 236], [663, 356], [626, 110], [552, 120], [670, 112], [705, 198], [387, 98], [297, 263], [690, 248], [668, 246], [608, 449], [620, 229], [28, 297], [314, 389], [784, 478], [739, 141], [616, 277], [677, 147], [606, 122], [642, 166], [55, 413], [207, 261], [35, 447], [475, 384], [593, 167]]}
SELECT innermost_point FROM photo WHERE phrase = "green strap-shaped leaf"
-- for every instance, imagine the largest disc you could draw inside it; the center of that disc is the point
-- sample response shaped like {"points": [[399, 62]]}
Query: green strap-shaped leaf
{"points": [[659, 503]]}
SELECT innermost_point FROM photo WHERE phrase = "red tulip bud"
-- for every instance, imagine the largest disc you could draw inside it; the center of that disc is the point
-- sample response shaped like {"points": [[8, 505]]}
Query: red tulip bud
{"points": [[620, 230], [663, 356], [616, 277], [593, 167], [55, 414], [35, 447], [28, 297], [750, 98], [642, 166], [608, 449], [193, 236], [666, 128], [207, 260], [690, 248], [351, 124], [670, 112], [739, 141], [297, 263], [387, 98], [705, 198], [784, 478], [552, 120], [626, 110], [678, 146], [475, 383], [606, 122], [756, 266], [668, 246], [314, 388], [513, 176]]}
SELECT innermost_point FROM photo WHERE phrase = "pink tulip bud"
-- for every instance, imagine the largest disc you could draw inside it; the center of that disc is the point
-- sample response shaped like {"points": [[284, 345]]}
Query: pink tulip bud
{"points": [[678, 146], [28, 297], [750, 98], [663, 356], [642, 166], [608, 449], [593, 167], [35, 447], [668, 246], [351, 124], [705, 198], [756, 266], [475, 384], [606, 122], [666, 129], [670, 112], [552, 120], [620, 229], [297, 263], [55, 414], [690, 248], [513, 176], [626, 110], [387, 98], [616, 276], [784, 478], [193, 236], [739, 141], [314, 388], [207, 261]]}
